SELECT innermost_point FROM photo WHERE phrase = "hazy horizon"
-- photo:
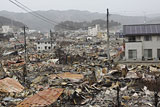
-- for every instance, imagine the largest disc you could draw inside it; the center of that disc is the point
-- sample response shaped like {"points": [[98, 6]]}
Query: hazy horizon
{"points": [[123, 7]]}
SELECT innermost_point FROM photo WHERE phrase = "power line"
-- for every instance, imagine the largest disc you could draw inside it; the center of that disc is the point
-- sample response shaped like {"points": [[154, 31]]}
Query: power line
{"points": [[35, 12], [16, 38], [27, 9], [31, 12], [40, 14]]}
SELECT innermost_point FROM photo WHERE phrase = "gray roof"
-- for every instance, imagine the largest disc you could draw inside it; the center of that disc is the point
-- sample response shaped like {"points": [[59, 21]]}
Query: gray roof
{"points": [[44, 40], [142, 29]]}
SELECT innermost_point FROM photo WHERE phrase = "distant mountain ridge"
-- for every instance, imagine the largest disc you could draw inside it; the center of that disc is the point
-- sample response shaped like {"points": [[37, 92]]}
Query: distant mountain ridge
{"points": [[7, 21], [68, 15]]}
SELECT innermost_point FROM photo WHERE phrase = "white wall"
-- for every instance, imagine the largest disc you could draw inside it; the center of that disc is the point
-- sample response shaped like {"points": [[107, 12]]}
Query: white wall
{"points": [[134, 46], [154, 45], [93, 31], [7, 29], [42, 46], [140, 46]]}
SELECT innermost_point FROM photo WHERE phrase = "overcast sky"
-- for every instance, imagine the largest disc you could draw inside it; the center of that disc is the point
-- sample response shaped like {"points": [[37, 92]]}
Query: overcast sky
{"points": [[130, 7]]}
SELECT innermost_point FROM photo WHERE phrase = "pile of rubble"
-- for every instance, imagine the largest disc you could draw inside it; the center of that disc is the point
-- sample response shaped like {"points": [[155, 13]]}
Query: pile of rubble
{"points": [[101, 83], [77, 75]]}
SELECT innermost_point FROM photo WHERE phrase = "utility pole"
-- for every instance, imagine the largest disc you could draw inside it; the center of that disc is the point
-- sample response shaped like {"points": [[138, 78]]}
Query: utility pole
{"points": [[118, 102], [25, 55], [145, 19], [156, 98], [108, 36], [51, 35]]}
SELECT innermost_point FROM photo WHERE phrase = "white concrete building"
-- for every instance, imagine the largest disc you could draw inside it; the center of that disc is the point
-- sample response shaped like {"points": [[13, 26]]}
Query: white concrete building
{"points": [[31, 31], [142, 42], [7, 29], [93, 31], [44, 44]]}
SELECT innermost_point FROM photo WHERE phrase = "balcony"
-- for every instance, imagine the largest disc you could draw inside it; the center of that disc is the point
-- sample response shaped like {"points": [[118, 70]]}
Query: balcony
{"points": [[135, 44], [132, 41]]}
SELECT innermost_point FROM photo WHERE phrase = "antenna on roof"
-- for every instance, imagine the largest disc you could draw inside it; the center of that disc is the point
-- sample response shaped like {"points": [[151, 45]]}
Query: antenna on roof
{"points": [[145, 18]]}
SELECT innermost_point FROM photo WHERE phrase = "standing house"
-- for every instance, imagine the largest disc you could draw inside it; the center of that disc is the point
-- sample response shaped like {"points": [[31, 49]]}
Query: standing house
{"points": [[44, 44], [142, 42]]}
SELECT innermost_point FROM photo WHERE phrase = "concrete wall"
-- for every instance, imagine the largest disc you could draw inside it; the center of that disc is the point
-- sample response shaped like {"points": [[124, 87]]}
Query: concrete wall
{"points": [[93, 31], [7, 29], [154, 45], [42, 46], [140, 46], [134, 46]]}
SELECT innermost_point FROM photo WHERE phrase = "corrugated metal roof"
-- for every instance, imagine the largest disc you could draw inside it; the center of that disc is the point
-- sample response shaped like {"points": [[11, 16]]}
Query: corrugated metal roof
{"points": [[10, 85], [42, 98], [145, 29]]}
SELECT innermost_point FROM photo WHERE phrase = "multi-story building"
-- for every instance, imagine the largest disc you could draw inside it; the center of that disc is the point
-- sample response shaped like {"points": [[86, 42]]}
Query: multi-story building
{"points": [[93, 31], [142, 42], [44, 44], [7, 29]]}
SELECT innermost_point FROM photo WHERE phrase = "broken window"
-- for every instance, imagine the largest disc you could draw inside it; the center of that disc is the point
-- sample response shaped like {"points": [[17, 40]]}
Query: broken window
{"points": [[147, 38], [132, 54], [148, 53], [132, 39], [158, 54]]}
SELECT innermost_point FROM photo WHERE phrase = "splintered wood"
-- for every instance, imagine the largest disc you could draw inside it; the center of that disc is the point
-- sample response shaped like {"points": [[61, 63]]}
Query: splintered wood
{"points": [[9, 85], [67, 75], [42, 98]]}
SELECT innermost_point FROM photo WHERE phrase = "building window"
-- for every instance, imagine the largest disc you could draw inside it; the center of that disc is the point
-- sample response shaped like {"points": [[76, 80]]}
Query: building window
{"points": [[45, 42], [147, 38], [38, 42], [132, 39], [158, 54], [49, 47], [132, 54], [138, 38], [38, 47], [158, 38], [45, 47], [49, 42], [148, 53]]}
